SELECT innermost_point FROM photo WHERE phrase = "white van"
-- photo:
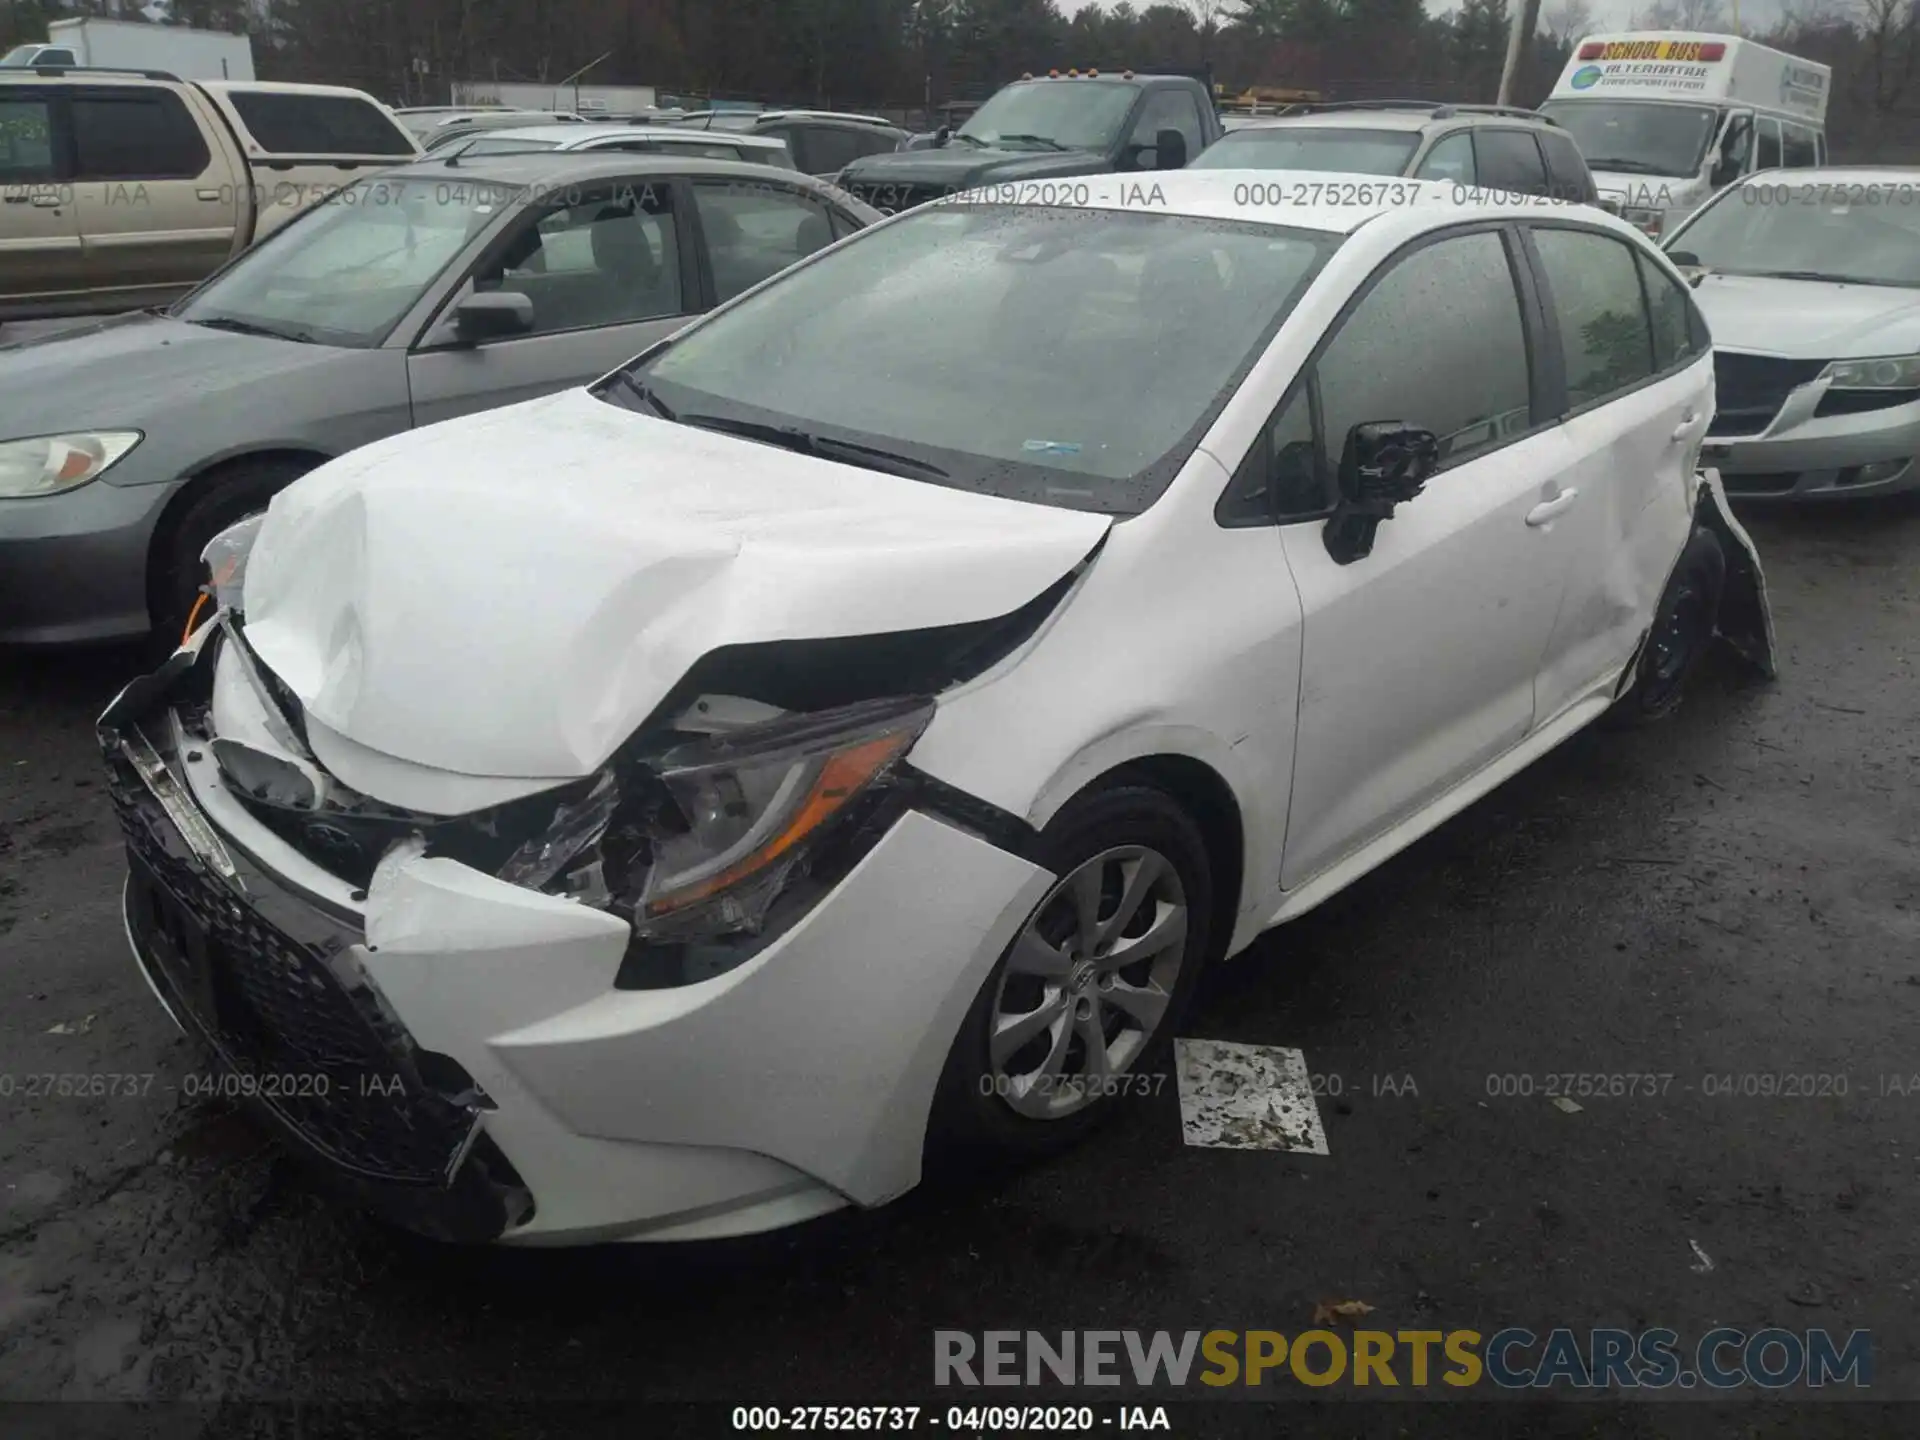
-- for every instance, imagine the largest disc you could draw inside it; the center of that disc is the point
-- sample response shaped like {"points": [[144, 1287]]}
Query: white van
{"points": [[1666, 118]]}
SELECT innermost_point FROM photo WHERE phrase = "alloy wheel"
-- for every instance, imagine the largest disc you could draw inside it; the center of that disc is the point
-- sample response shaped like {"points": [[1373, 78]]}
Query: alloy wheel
{"points": [[1088, 982]]}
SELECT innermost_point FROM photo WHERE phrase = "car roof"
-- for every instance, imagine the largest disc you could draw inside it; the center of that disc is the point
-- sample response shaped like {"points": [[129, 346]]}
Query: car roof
{"points": [[869, 120], [1838, 175], [1411, 121], [1291, 198], [570, 135], [549, 169], [279, 87]]}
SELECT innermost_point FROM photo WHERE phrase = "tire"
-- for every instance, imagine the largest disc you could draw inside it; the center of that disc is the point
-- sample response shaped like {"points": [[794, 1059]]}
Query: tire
{"points": [[225, 498], [977, 1115], [1682, 632]]}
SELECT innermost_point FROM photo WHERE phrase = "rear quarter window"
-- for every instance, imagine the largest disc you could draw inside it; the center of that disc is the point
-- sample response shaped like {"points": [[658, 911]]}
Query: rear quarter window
{"points": [[291, 124], [1567, 175]]}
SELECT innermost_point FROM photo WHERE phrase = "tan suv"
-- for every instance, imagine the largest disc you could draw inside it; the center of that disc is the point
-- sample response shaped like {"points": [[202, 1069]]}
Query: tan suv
{"points": [[121, 189]]}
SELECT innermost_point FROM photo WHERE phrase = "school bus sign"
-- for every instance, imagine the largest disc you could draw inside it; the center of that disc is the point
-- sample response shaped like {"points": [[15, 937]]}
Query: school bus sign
{"points": [[1696, 52]]}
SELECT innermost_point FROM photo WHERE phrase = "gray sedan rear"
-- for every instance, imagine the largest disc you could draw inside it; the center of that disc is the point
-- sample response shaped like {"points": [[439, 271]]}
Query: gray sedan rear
{"points": [[416, 295]]}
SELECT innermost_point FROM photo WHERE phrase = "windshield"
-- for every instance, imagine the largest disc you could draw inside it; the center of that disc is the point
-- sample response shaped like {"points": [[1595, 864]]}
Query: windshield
{"points": [[1304, 147], [346, 271], [507, 145], [1849, 237], [1053, 115], [1637, 137], [1069, 357]]}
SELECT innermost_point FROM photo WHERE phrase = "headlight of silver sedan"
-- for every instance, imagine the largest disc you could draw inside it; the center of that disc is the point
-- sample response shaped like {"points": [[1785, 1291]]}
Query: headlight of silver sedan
{"points": [[49, 464], [1887, 372]]}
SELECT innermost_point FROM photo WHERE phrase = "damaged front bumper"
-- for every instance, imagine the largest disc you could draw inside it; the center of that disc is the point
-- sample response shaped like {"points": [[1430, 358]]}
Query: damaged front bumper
{"points": [[459, 1054]]}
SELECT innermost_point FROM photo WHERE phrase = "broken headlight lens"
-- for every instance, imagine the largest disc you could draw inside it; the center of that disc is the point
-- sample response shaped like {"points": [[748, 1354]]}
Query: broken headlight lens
{"points": [[226, 560], [754, 803], [699, 840]]}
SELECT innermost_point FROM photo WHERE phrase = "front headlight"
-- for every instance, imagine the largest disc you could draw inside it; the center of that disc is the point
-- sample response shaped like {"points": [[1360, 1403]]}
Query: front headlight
{"points": [[1890, 372], [698, 841], [48, 464]]}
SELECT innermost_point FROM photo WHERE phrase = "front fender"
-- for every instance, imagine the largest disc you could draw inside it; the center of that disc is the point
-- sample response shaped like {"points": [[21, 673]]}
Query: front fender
{"points": [[1745, 622]]}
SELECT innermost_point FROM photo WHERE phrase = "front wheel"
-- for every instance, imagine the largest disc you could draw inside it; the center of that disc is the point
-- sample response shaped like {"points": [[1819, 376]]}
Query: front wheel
{"points": [[1084, 1002], [1683, 629]]}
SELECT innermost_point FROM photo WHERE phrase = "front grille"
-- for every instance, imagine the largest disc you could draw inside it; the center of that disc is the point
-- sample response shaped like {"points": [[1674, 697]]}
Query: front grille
{"points": [[269, 982], [1750, 389]]}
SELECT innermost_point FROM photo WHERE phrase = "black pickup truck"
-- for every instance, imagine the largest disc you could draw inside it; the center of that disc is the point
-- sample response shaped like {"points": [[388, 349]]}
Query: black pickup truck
{"points": [[1077, 123]]}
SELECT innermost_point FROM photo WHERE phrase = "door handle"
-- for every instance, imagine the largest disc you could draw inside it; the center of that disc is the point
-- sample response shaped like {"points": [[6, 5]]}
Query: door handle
{"points": [[1547, 509], [211, 195], [47, 202], [1687, 422]]}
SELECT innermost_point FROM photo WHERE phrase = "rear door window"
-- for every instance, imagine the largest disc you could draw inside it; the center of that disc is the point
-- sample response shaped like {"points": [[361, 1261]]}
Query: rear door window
{"points": [[135, 135], [294, 124], [1450, 159], [1509, 160], [26, 139], [1605, 337], [829, 149]]}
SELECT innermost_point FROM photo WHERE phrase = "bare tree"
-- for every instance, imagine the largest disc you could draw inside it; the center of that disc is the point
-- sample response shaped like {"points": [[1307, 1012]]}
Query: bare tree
{"points": [[1567, 21], [1212, 16], [1892, 32]]}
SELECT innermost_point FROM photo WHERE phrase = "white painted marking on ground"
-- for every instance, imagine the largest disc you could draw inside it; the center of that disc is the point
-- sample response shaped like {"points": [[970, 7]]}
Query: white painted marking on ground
{"points": [[1246, 1097]]}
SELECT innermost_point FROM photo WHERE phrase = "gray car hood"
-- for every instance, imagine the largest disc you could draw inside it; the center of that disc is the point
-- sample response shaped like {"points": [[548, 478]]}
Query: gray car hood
{"points": [[1810, 320], [133, 369]]}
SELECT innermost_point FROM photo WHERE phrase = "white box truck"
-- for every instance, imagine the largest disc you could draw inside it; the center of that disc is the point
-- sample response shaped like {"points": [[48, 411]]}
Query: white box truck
{"points": [[1666, 118], [128, 45]]}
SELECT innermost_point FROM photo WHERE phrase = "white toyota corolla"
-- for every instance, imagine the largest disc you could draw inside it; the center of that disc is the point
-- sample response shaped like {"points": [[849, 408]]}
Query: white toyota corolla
{"points": [[676, 807]]}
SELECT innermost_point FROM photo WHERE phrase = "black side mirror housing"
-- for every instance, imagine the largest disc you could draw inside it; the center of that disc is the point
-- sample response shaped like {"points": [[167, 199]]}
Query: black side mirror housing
{"points": [[1169, 150], [492, 315], [1384, 464], [942, 136]]}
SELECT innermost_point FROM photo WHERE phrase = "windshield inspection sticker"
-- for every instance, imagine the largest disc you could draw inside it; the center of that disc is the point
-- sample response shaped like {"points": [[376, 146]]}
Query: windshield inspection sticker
{"points": [[1050, 447]]}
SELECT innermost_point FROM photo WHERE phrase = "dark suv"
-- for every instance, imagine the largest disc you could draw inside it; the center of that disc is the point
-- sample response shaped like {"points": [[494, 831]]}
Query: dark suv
{"points": [[1477, 147]]}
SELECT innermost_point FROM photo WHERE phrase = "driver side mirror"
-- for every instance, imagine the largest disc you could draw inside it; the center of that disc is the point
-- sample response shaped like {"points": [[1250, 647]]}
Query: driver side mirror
{"points": [[1169, 150], [492, 315], [1384, 464]]}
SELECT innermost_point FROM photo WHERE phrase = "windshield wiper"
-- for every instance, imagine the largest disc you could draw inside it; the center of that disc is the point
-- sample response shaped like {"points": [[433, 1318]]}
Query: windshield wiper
{"points": [[821, 447], [248, 327], [1038, 140], [1821, 276], [970, 139], [641, 392], [1629, 167]]}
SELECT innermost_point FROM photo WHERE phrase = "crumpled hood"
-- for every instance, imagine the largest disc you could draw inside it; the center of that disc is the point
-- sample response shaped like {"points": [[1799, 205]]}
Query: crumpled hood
{"points": [[1807, 319], [514, 593], [961, 166], [133, 370]]}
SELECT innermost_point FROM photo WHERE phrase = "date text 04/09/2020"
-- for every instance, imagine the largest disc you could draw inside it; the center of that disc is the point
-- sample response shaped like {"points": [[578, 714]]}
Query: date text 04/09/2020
{"points": [[955, 1419]]}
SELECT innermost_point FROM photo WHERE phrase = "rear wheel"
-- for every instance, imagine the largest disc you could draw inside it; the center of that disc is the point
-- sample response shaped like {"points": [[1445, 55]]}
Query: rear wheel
{"points": [[1683, 628], [1085, 1001], [226, 497]]}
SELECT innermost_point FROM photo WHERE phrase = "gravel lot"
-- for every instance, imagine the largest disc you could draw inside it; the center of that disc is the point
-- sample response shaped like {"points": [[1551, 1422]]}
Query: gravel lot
{"points": [[1731, 894]]}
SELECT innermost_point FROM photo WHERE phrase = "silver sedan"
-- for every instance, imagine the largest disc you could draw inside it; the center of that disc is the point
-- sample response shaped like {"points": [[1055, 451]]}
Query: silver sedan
{"points": [[412, 296]]}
